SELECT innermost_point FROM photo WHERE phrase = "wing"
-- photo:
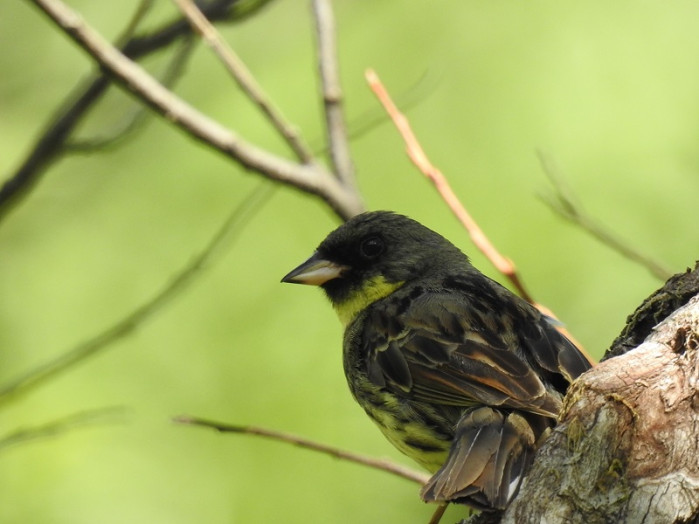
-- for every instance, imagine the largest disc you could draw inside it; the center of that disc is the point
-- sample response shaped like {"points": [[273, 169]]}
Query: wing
{"points": [[471, 343]]}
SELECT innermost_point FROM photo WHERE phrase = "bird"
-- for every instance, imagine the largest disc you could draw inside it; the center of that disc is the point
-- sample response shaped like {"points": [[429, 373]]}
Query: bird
{"points": [[459, 373]]}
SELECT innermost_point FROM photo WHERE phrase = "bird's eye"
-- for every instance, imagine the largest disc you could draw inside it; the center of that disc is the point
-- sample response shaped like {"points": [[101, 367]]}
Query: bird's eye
{"points": [[371, 247]]}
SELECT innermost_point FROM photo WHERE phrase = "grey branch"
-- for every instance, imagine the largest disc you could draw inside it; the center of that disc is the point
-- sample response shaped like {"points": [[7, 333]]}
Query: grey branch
{"points": [[52, 142], [133, 121], [311, 179], [350, 456], [332, 93], [239, 71]]}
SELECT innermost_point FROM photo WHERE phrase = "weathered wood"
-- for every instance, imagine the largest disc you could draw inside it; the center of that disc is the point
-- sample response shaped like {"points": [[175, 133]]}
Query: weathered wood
{"points": [[627, 446]]}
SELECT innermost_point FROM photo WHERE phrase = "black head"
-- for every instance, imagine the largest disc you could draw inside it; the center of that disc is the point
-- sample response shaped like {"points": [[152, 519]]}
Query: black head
{"points": [[376, 245]]}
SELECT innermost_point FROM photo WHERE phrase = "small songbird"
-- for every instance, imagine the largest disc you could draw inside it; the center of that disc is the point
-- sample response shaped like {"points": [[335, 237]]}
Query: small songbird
{"points": [[459, 374]]}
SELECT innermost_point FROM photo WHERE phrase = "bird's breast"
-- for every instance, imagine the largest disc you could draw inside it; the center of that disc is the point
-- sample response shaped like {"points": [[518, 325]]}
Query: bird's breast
{"points": [[420, 431]]}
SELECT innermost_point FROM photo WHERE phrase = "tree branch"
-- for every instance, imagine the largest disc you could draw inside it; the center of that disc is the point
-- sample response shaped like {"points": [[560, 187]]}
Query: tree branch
{"points": [[332, 93], [133, 121], [564, 203], [246, 81], [311, 179], [478, 237], [60, 426], [382, 465], [87, 93], [420, 159]]}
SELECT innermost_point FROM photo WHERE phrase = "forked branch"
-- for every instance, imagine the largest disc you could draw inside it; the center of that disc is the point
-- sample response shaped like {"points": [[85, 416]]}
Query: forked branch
{"points": [[312, 179]]}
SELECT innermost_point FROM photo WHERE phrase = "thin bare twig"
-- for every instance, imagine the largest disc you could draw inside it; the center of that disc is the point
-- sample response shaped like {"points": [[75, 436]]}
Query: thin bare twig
{"points": [[480, 240], [566, 205], [380, 464], [332, 93], [420, 159], [136, 318], [133, 121], [51, 143], [373, 117], [60, 426], [311, 179], [246, 81], [139, 15]]}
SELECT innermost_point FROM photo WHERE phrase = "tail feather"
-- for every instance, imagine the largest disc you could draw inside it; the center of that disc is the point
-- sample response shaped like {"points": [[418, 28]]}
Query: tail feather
{"points": [[489, 456], [479, 443]]}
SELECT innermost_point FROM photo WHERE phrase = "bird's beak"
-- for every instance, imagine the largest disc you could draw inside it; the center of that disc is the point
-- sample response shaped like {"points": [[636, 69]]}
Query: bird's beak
{"points": [[315, 271]]}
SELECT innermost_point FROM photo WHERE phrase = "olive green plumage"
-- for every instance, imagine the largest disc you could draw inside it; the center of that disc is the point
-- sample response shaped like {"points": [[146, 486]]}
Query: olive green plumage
{"points": [[458, 373]]}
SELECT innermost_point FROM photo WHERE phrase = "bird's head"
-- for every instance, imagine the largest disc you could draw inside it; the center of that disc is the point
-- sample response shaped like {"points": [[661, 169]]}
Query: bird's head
{"points": [[370, 256]]}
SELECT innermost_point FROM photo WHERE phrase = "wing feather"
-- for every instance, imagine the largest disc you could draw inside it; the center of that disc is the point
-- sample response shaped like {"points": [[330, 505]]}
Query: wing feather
{"points": [[441, 349]]}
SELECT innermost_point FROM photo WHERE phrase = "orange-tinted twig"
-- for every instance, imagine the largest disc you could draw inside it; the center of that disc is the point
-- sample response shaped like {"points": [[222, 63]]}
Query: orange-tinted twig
{"points": [[503, 264], [419, 158]]}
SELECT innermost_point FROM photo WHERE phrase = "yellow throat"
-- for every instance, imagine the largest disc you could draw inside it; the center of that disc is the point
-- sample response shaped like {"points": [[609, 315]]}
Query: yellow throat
{"points": [[373, 289]]}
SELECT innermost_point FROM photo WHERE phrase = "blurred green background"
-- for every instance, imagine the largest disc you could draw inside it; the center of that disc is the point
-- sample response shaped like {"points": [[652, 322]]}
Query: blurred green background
{"points": [[607, 89]]}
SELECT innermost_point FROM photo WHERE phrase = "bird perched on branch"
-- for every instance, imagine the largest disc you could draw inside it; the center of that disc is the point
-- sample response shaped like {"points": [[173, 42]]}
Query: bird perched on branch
{"points": [[458, 373]]}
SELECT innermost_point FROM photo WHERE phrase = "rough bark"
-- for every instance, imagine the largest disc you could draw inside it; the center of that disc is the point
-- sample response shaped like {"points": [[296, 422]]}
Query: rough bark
{"points": [[626, 449]]}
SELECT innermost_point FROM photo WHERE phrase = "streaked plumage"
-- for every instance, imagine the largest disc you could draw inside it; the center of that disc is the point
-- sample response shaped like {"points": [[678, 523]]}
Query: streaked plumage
{"points": [[458, 373]]}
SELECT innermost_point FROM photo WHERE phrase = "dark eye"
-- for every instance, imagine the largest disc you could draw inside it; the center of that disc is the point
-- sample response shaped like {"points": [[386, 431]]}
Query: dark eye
{"points": [[371, 247]]}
